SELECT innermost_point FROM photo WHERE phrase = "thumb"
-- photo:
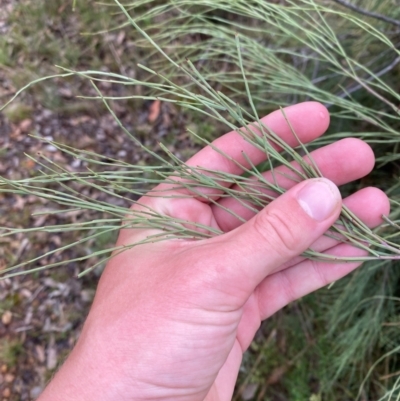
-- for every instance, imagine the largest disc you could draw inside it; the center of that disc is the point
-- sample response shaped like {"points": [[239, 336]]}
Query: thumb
{"points": [[281, 231]]}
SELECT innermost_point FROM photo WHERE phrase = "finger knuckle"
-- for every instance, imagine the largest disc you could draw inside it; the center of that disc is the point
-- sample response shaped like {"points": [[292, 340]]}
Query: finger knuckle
{"points": [[287, 287], [274, 227], [318, 273]]}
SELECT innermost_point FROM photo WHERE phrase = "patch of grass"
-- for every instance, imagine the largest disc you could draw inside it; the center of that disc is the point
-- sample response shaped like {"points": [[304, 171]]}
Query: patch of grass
{"points": [[4, 57], [10, 351], [10, 302], [18, 112], [43, 32]]}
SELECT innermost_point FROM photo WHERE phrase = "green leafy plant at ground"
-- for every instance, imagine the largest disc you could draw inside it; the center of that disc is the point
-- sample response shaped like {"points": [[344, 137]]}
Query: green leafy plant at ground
{"points": [[9, 351], [230, 62]]}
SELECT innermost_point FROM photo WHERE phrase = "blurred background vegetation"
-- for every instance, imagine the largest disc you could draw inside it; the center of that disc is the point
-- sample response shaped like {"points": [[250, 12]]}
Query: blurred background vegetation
{"points": [[341, 343]]}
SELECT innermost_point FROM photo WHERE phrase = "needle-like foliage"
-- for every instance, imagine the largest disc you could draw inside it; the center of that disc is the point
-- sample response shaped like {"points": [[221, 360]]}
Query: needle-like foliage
{"points": [[232, 61]]}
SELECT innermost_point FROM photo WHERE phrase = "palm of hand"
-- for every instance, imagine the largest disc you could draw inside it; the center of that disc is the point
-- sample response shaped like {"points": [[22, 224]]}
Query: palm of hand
{"points": [[194, 306]]}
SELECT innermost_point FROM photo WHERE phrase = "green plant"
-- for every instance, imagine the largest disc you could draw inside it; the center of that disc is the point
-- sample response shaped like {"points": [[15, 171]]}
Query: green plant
{"points": [[10, 351], [251, 58]]}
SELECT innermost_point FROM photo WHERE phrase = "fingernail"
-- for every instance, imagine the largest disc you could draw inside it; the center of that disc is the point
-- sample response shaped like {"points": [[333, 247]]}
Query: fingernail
{"points": [[319, 198]]}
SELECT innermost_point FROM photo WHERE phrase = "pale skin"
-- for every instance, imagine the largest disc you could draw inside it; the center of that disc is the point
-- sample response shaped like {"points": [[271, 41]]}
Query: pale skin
{"points": [[171, 320]]}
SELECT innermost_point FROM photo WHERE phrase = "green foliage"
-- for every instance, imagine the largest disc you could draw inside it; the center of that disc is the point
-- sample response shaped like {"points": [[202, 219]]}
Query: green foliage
{"points": [[18, 112], [230, 62], [43, 31], [10, 350]]}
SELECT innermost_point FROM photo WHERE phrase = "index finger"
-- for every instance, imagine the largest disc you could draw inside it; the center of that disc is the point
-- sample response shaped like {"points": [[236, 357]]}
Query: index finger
{"points": [[232, 153], [309, 120]]}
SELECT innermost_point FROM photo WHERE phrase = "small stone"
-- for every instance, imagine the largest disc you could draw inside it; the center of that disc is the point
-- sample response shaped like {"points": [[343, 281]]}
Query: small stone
{"points": [[51, 148], [35, 392], [25, 125], [3, 368], [9, 378], [25, 293], [6, 392], [51, 361], [249, 392], [40, 352], [87, 295], [122, 153], [6, 318]]}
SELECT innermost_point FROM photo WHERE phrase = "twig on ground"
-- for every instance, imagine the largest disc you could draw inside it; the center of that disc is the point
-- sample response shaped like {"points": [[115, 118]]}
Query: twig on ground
{"points": [[360, 10], [355, 88]]}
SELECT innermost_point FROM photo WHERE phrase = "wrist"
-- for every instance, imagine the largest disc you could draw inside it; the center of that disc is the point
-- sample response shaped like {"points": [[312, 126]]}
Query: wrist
{"points": [[86, 376]]}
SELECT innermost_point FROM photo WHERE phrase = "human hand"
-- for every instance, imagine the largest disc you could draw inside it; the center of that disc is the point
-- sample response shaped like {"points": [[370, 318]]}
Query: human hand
{"points": [[171, 320]]}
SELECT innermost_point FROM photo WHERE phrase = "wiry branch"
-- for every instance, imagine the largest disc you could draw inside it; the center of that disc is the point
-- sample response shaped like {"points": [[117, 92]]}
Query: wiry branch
{"points": [[371, 78], [359, 86], [363, 11]]}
